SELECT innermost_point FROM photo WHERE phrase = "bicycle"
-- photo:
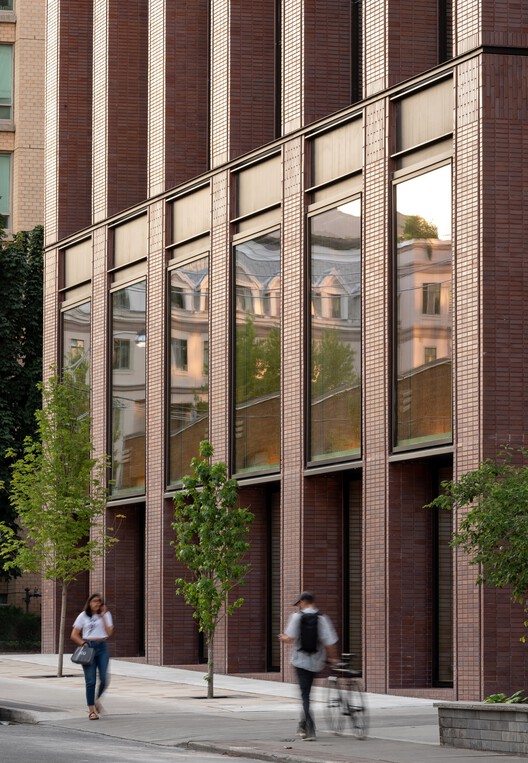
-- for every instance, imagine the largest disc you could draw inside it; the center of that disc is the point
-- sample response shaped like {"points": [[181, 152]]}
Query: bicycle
{"points": [[345, 699]]}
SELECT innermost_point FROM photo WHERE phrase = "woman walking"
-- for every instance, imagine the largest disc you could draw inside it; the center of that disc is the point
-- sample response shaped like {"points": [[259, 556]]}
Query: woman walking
{"points": [[94, 626]]}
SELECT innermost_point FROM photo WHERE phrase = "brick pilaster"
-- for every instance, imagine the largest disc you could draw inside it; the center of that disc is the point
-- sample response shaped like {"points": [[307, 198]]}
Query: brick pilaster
{"points": [[51, 122], [100, 110], [155, 434], [376, 394], [220, 63], [99, 366], [157, 63], [220, 348], [292, 388]]}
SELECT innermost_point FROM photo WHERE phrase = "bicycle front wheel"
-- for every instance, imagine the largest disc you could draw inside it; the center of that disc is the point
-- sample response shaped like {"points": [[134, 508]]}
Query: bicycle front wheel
{"points": [[334, 706], [357, 712]]}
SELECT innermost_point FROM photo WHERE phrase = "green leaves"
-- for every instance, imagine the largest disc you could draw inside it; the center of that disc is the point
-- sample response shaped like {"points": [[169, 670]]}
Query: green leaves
{"points": [[211, 540], [494, 530], [21, 264], [58, 489]]}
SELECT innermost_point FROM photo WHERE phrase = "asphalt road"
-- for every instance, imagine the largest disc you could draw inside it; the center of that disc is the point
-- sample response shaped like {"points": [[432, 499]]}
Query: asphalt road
{"points": [[44, 744]]}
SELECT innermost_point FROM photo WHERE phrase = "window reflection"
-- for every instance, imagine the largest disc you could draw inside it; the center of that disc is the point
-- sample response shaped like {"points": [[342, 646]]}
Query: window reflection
{"points": [[189, 348], [424, 313], [335, 404], [257, 352], [128, 389], [76, 341]]}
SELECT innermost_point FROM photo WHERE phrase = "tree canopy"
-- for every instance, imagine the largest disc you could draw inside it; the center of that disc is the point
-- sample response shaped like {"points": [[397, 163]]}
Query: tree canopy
{"points": [[418, 227], [21, 265], [494, 531], [58, 491]]}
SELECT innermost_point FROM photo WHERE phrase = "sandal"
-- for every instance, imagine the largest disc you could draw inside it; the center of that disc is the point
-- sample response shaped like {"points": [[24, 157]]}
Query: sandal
{"points": [[98, 707], [93, 716]]}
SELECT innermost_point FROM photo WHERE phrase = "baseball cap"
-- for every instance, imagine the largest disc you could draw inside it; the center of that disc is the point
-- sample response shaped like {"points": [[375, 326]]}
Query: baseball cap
{"points": [[304, 596]]}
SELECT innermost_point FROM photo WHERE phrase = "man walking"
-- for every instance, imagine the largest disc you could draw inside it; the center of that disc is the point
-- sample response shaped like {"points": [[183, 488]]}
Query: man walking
{"points": [[313, 637]]}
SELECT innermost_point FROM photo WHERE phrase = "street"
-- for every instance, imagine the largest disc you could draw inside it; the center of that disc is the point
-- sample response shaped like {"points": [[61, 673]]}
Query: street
{"points": [[45, 744]]}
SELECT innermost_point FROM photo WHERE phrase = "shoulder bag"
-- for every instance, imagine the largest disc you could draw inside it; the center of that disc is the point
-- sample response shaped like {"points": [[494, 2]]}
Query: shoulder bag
{"points": [[83, 655]]}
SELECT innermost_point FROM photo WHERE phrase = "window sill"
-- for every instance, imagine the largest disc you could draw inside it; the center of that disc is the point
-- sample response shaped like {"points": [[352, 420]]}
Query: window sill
{"points": [[7, 17], [6, 125]]}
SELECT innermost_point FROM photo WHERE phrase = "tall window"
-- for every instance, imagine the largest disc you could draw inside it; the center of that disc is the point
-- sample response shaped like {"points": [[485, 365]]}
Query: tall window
{"points": [[6, 81], [189, 366], [5, 190], [6, 5], [424, 312], [76, 340], [128, 389], [257, 354], [335, 359]]}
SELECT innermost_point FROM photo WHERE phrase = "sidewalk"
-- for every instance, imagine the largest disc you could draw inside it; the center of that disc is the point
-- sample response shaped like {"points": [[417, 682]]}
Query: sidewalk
{"points": [[168, 706]]}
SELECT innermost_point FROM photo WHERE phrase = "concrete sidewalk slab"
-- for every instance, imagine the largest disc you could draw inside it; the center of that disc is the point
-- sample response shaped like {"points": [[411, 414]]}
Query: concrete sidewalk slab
{"points": [[248, 717]]}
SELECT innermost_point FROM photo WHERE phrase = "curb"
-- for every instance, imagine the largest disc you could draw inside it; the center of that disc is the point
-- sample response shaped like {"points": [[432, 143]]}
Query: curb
{"points": [[20, 714], [269, 755], [246, 752]]}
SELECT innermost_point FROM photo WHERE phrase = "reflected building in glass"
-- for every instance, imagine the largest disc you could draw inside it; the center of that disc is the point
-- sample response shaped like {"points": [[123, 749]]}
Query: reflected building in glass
{"points": [[320, 269]]}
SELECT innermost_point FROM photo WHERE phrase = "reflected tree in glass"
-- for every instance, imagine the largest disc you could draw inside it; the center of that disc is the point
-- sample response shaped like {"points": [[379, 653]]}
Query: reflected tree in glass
{"points": [[424, 311], [189, 364], [128, 389], [257, 354], [335, 370]]}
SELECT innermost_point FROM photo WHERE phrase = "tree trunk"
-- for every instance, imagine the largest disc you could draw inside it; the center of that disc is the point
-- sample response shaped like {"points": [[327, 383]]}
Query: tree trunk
{"points": [[210, 667], [64, 596]]}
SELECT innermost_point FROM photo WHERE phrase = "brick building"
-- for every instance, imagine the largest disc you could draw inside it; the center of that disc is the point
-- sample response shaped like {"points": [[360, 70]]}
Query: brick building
{"points": [[22, 27], [296, 228]]}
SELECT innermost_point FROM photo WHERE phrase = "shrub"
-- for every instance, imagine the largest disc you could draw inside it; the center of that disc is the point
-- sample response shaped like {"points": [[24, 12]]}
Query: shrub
{"points": [[17, 626]]}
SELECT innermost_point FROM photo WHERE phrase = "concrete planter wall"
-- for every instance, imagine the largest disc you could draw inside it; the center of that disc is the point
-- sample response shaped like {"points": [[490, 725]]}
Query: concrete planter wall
{"points": [[483, 726]]}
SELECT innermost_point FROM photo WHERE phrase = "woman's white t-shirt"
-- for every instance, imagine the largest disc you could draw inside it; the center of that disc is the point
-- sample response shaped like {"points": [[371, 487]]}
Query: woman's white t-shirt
{"points": [[93, 627]]}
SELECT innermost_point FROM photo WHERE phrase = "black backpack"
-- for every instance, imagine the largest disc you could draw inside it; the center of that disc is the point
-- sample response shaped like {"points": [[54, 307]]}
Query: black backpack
{"points": [[309, 633]]}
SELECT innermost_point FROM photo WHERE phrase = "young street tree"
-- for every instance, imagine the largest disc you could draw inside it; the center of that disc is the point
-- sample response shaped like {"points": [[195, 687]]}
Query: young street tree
{"points": [[211, 540], [58, 492], [494, 531]]}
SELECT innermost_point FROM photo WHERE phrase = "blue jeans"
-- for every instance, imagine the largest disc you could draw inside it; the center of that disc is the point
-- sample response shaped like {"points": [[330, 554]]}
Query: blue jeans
{"points": [[305, 679], [100, 663]]}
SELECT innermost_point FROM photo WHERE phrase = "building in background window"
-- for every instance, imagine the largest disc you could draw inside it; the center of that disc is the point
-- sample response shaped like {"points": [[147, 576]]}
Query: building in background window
{"points": [[257, 354], [128, 389], [424, 309], [189, 366], [335, 348]]}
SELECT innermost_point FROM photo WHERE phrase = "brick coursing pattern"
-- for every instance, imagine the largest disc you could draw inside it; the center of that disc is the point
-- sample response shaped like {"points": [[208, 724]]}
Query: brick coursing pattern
{"points": [[478, 726]]}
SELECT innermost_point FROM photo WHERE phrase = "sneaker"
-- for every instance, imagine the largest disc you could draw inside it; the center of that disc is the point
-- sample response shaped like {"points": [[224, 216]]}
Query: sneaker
{"points": [[301, 731], [310, 736]]}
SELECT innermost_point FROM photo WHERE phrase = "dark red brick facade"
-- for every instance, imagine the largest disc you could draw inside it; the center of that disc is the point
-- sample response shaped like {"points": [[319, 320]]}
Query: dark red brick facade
{"points": [[222, 98]]}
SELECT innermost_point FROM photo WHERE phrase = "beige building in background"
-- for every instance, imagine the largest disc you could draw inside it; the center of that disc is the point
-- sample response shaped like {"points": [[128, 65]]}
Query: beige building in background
{"points": [[22, 27]]}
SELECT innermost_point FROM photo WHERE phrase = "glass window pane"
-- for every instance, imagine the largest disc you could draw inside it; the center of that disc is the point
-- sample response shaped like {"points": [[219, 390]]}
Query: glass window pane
{"points": [[6, 5], [128, 389], [5, 189], [6, 81], [76, 340], [257, 351], [189, 372], [424, 311], [335, 359]]}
